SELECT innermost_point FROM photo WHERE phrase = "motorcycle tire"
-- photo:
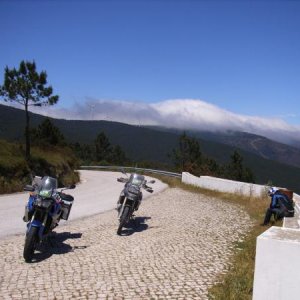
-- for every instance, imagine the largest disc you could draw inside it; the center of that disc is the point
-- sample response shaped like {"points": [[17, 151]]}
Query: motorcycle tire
{"points": [[30, 243], [123, 219]]}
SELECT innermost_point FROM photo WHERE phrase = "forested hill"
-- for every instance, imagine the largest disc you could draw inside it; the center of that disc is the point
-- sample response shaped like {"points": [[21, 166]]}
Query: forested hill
{"points": [[256, 144], [139, 143], [146, 144]]}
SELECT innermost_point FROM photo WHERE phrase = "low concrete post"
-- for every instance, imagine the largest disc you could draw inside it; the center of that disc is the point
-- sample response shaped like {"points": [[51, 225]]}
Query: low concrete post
{"points": [[277, 265]]}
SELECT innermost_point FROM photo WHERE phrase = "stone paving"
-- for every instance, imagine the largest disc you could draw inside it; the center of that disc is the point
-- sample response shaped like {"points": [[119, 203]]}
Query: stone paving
{"points": [[178, 244]]}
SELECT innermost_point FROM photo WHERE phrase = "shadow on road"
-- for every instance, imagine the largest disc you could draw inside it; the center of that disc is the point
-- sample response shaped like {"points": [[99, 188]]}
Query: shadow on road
{"points": [[135, 225], [55, 244]]}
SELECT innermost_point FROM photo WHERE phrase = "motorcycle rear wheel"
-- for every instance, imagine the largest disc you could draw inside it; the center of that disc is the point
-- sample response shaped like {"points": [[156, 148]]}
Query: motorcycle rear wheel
{"points": [[123, 219], [30, 243]]}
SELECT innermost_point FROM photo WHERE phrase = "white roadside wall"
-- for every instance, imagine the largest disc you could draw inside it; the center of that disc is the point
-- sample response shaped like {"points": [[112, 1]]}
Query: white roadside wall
{"points": [[225, 185], [277, 261], [277, 265]]}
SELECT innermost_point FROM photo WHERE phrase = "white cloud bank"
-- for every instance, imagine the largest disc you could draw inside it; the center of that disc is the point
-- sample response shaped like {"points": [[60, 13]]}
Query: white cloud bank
{"points": [[181, 113]]}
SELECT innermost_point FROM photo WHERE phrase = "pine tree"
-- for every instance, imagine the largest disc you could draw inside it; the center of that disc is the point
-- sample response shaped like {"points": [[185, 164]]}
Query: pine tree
{"points": [[29, 88], [102, 147], [48, 134], [236, 169], [187, 157], [118, 156]]}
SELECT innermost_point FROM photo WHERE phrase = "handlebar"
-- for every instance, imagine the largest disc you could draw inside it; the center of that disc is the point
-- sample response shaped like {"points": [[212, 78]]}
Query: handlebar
{"points": [[28, 188], [121, 179], [148, 188], [70, 187]]}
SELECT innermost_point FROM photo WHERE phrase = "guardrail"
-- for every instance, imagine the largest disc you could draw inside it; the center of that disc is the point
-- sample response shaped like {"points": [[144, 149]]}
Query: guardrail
{"points": [[166, 173]]}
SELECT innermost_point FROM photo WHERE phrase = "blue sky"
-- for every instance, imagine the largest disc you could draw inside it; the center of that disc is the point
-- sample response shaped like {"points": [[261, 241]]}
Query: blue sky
{"points": [[240, 56]]}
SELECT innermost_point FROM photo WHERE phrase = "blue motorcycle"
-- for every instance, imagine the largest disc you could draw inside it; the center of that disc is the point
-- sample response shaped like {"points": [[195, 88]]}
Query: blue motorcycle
{"points": [[45, 207]]}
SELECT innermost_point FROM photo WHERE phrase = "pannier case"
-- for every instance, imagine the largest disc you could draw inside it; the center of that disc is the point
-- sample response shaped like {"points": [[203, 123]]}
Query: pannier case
{"points": [[66, 208]]}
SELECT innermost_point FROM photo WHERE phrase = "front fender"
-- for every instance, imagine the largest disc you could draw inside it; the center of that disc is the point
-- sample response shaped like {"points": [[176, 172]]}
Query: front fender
{"points": [[38, 224], [35, 223]]}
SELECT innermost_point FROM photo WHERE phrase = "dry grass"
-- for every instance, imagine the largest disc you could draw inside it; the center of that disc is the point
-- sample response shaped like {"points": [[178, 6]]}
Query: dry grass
{"points": [[15, 170], [237, 283]]}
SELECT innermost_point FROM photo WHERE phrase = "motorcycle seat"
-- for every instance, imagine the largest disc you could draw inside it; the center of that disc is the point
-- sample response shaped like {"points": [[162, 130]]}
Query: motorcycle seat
{"points": [[66, 197]]}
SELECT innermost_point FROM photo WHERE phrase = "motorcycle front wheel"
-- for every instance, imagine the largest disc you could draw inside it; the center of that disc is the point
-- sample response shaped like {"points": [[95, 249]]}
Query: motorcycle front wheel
{"points": [[30, 243], [123, 219]]}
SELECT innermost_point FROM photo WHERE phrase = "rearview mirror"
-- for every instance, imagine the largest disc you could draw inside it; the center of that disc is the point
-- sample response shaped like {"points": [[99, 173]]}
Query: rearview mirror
{"points": [[69, 187], [28, 188], [122, 179]]}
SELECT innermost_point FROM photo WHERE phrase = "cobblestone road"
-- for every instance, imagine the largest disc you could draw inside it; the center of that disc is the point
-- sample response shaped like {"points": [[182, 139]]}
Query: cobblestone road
{"points": [[179, 243]]}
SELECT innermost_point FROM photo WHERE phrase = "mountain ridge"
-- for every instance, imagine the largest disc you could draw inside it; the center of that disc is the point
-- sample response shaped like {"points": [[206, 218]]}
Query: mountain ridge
{"points": [[259, 145], [147, 144]]}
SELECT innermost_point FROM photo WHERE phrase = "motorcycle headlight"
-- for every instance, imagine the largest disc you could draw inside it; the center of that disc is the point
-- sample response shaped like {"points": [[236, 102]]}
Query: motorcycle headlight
{"points": [[45, 203], [38, 201], [45, 193], [133, 190]]}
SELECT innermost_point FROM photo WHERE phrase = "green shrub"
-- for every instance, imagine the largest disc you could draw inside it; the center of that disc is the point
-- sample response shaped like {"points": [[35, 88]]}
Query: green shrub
{"points": [[15, 171]]}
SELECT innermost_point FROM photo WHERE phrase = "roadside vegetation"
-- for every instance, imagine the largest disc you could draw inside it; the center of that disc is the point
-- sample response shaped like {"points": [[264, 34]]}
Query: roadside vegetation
{"points": [[237, 283], [16, 171], [49, 155]]}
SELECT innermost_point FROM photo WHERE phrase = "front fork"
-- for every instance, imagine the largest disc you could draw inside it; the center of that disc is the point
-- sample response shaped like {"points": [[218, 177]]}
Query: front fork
{"points": [[122, 208], [37, 223]]}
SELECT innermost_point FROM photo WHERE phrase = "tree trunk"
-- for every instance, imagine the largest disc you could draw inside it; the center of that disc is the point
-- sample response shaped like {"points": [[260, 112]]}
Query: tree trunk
{"points": [[27, 133]]}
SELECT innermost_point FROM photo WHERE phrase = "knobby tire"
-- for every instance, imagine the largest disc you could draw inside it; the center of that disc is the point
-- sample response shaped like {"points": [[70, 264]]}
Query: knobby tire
{"points": [[123, 219], [30, 243]]}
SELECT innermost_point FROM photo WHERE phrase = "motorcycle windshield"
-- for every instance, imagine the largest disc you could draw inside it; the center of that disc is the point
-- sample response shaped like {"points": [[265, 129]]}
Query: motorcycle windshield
{"points": [[136, 179], [48, 185]]}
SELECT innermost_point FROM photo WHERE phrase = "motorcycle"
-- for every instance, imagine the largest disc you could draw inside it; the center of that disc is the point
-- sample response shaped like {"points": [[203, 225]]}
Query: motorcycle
{"points": [[131, 197], [46, 206]]}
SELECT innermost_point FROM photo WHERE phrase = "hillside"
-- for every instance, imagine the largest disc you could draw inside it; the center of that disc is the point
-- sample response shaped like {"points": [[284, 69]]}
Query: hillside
{"points": [[136, 141], [15, 170], [256, 144], [253, 143], [141, 143]]}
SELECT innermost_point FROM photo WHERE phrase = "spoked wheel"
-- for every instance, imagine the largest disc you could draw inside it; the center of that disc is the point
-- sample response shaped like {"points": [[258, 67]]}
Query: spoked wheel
{"points": [[123, 219], [30, 243]]}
